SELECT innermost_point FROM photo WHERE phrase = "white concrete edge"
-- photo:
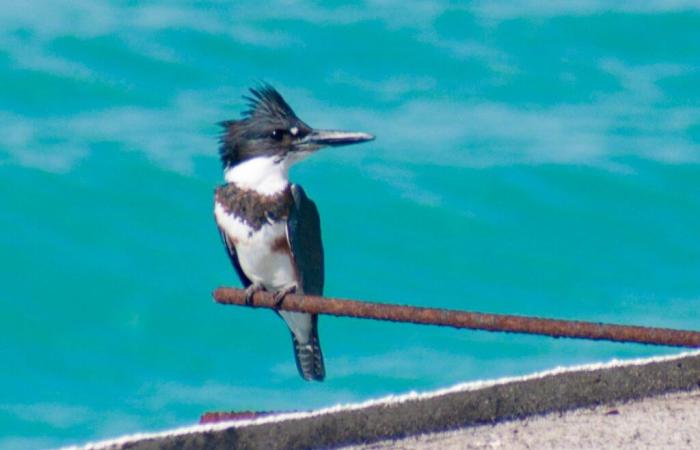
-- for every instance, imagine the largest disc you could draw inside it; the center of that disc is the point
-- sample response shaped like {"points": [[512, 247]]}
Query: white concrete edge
{"points": [[391, 399]]}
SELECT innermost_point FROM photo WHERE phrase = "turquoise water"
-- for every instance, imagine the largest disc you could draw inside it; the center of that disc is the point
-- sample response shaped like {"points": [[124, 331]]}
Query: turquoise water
{"points": [[529, 159]]}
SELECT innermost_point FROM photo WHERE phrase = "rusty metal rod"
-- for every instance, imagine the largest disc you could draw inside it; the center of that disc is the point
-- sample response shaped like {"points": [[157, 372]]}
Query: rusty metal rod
{"points": [[464, 319]]}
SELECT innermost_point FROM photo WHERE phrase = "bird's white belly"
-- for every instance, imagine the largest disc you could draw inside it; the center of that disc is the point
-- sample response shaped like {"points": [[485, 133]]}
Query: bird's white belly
{"points": [[262, 265]]}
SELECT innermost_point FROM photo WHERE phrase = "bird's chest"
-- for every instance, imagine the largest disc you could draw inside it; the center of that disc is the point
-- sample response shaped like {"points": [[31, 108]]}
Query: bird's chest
{"points": [[263, 254], [260, 239]]}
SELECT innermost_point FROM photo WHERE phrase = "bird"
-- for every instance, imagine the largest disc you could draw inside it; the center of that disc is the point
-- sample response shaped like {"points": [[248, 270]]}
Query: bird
{"points": [[270, 228]]}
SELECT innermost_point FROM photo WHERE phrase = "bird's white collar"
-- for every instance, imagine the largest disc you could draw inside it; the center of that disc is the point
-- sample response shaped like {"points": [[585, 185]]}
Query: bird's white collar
{"points": [[267, 175]]}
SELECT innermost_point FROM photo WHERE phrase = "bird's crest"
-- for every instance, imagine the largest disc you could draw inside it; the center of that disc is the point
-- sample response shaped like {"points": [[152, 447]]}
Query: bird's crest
{"points": [[267, 110], [266, 103]]}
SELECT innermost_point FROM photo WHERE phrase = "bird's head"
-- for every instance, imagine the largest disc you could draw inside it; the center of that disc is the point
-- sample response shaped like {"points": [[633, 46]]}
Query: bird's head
{"points": [[270, 129]]}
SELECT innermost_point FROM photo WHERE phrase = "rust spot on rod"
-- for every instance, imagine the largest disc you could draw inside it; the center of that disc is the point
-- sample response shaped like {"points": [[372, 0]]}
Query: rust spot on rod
{"points": [[464, 319]]}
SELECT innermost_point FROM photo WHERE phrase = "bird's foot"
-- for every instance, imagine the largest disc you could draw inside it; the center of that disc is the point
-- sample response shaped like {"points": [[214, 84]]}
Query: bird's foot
{"points": [[279, 296], [250, 292]]}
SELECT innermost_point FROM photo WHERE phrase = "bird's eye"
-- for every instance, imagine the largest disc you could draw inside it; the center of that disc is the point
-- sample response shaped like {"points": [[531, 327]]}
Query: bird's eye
{"points": [[278, 134]]}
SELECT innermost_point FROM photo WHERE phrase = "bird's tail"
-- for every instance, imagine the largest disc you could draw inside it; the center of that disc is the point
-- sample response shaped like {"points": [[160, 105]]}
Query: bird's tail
{"points": [[308, 354]]}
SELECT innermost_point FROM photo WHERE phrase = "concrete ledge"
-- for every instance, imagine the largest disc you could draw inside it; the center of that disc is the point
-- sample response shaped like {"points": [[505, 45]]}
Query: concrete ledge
{"points": [[463, 406], [668, 421]]}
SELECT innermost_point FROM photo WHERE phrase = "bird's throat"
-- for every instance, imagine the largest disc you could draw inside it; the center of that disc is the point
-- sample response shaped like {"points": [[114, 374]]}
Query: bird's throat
{"points": [[267, 175]]}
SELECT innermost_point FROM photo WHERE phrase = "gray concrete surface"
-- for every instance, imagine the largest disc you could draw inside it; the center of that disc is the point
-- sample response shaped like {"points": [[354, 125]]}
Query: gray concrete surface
{"points": [[670, 421], [467, 407]]}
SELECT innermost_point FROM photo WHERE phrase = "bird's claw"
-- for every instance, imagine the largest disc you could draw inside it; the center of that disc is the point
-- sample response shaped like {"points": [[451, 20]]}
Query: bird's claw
{"points": [[250, 292], [279, 296]]}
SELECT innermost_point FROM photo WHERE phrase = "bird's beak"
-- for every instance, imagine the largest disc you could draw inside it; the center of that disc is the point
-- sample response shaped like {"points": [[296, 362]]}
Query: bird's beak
{"points": [[324, 138]]}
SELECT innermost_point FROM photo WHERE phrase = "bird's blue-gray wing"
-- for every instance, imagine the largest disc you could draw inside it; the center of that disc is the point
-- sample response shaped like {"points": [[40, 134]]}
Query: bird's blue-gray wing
{"points": [[304, 235]]}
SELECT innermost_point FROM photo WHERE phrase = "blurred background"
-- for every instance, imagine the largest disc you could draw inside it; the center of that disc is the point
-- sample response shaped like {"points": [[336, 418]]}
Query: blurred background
{"points": [[530, 158]]}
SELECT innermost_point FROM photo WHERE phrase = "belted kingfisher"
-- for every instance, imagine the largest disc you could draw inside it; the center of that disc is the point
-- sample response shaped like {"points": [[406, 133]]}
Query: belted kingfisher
{"points": [[270, 228]]}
